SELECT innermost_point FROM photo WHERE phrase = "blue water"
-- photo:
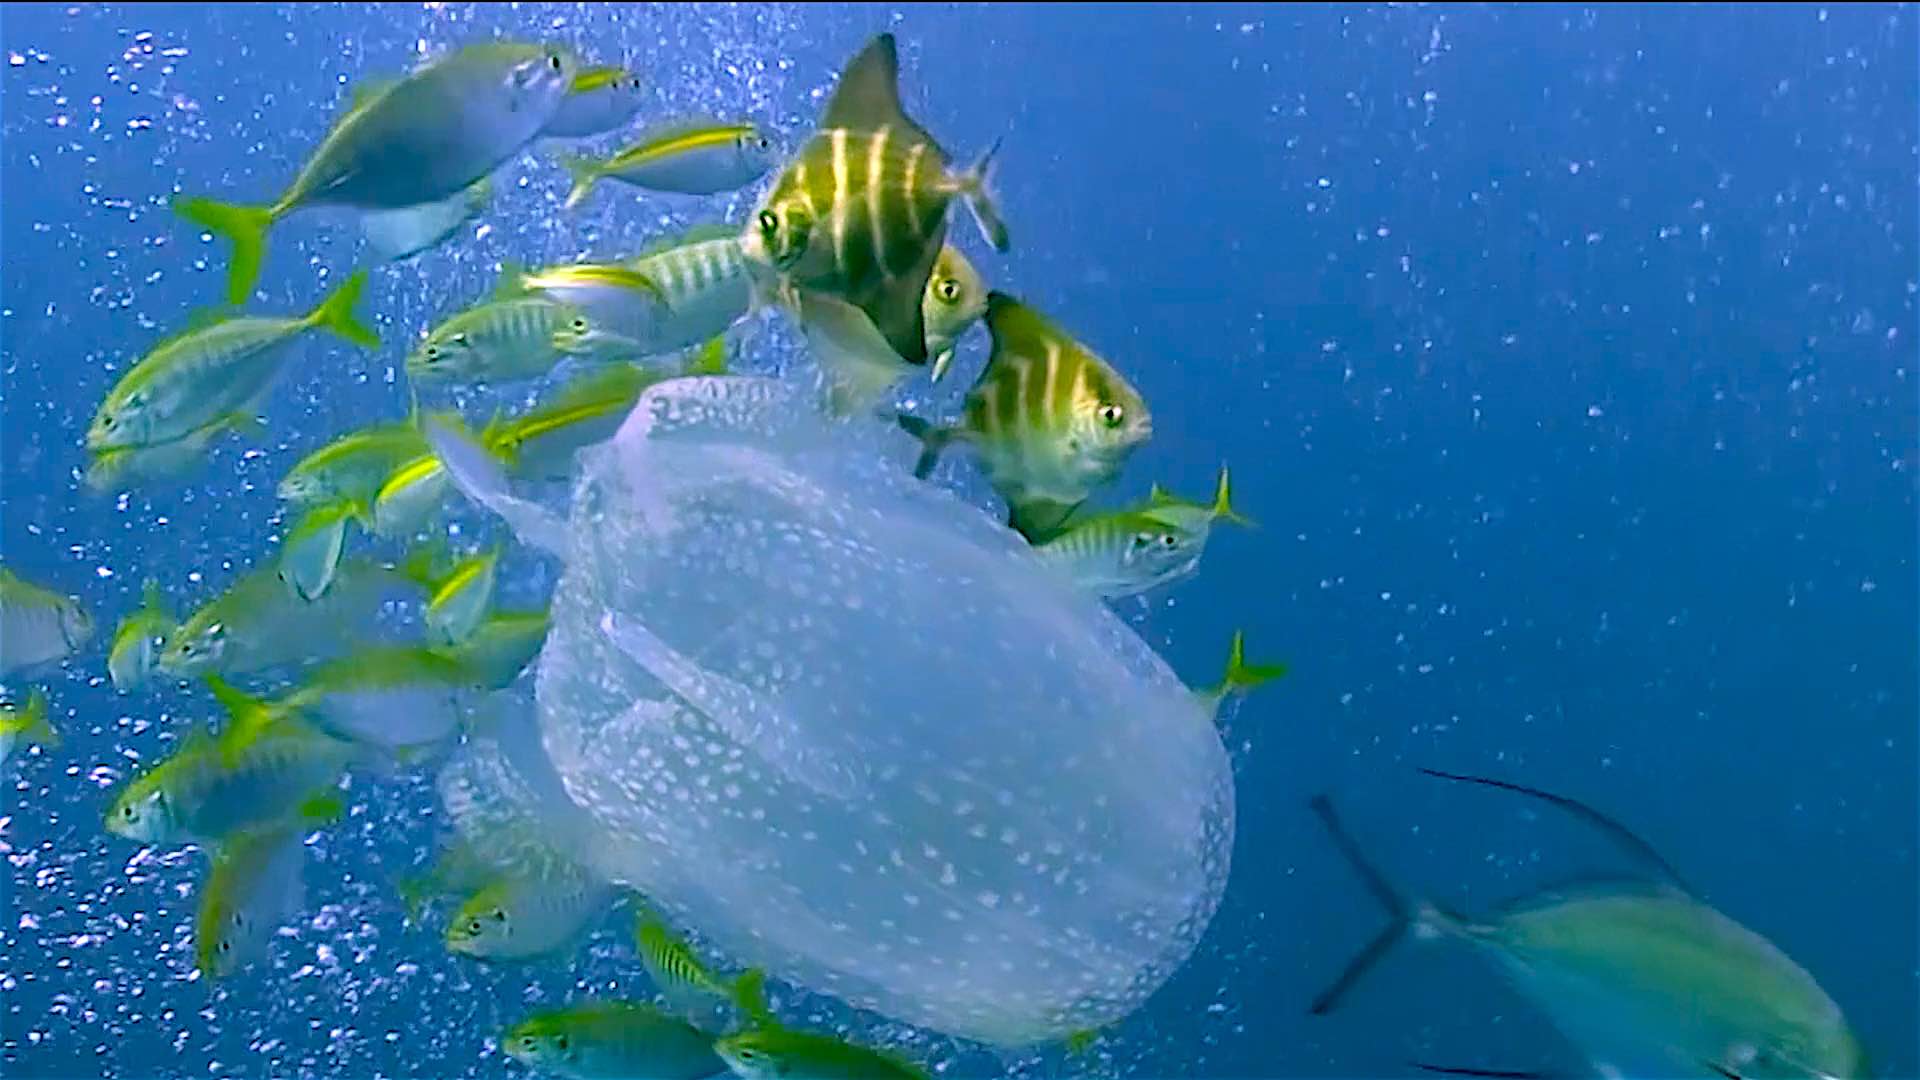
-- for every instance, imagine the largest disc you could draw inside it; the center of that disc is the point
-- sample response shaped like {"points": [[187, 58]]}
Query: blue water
{"points": [[1564, 355]]}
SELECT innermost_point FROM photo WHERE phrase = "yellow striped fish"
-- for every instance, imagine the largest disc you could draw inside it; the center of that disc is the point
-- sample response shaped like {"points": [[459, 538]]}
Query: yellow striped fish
{"points": [[1050, 420], [703, 158], [861, 212]]}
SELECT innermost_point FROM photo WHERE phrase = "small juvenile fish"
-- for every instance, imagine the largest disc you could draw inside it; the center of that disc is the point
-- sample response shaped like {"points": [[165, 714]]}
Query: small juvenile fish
{"points": [[600, 99], [258, 623], [860, 213], [956, 299], [254, 887], [1122, 554], [612, 296], [702, 158], [1240, 677], [777, 1053], [37, 626], [676, 972], [397, 234], [351, 468], [501, 647], [394, 698], [262, 769], [215, 373], [457, 598], [139, 639], [612, 1040], [312, 550], [1050, 420], [26, 726], [516, 918], [500, 340], [421, 139]]}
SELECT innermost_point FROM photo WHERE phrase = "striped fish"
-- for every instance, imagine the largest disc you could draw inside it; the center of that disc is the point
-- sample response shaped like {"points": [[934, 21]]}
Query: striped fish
{"points": [[1049, 419], [707, 289], [702, 158], [497, 341], [1124, 553], [861, 212]]}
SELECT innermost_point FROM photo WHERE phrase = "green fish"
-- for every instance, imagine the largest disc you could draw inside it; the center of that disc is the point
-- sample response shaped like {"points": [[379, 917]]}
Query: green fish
{"points": [[421, 139], [139, 640], [215, 373], [1642, 976], [861, 212], [352, 468], [311, 553], [600, 99], [28, 725], [707, 289], [956, 299], [400, 699], [1240, 677], [262, 769], [497, 341], [775, 1052], [457, 597], [612, 296], [612, 1040], [1049, 419], [37, 626], [253, 888], [1123, 554], [501, 647], [393, 235], [1193, 516], [258, 623], [698, 158], [516, 918], [686, 983], [587, 411]]}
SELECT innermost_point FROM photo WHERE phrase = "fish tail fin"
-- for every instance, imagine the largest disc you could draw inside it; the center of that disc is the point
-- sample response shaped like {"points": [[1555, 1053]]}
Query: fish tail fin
{"points": [[335, 313], [933, 440], [36, 728], [976, 186], [246, 226], [1422, 918], [1223, 503], [584, 172], [749, 993], [1240, 676]]}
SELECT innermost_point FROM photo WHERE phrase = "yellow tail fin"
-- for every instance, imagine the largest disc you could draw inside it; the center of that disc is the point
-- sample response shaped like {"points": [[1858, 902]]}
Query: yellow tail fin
{"points": [[335, 313], [246, 226]]}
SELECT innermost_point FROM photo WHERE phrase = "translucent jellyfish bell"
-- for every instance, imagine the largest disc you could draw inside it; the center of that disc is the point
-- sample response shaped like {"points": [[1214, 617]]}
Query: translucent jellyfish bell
{"points": [[846, 726]]}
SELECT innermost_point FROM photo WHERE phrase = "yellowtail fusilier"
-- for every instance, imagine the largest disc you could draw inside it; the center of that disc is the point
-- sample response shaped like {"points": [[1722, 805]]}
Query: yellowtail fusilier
{"points": [[1640, 975], [37, 625], [612, 1040], [501, 647], [139, 640], [697, 158], [216, 372], [258, 623], [419, 140], [615, 297], [861, 212], [600, 99], [520, 918], [260, 770], [769, 1053], [956, 299], [351, 468], [1050, 420], [393, 235], [26, 726], [311, 553], [500, 340], [457, 596], [255, 885]]}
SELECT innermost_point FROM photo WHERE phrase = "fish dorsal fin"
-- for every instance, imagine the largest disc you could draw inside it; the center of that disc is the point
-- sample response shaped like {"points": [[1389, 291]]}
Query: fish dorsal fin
{"points": [[199, 319], [512, 282], [1624, 838], [152, 599], [1021, 329], [367, 91], [868, 96]]}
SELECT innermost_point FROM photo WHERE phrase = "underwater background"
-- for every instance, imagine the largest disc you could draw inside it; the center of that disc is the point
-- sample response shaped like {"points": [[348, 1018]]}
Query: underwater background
{"points": [[1564, 356]]}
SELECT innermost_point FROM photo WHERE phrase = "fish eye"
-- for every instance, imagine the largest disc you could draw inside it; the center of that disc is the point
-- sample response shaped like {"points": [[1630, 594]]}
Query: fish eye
{"points": [[580, 326], [763, 143], [553, 61], [225, 947], [768, 222], [1169, 542], [560, 1041], [128, 812], [1112, 415], [473, 926], [433, 352], [949, 290], [527, 1042]]}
